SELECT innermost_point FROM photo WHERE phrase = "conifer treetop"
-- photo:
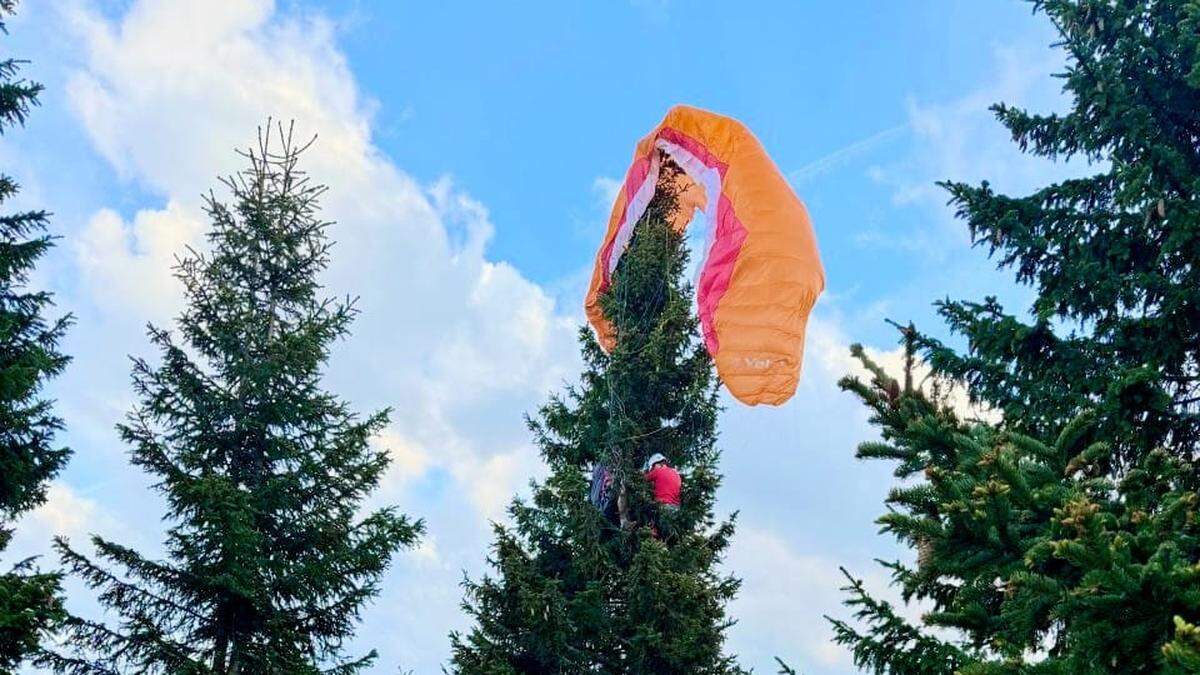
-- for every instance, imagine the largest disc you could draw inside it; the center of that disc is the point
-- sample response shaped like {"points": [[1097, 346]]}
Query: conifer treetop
{"points": [[1064, 537], [269, 555]]}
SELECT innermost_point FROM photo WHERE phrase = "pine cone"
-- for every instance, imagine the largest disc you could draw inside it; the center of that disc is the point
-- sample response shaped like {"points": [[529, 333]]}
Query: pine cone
{"points": [[924, 551]]}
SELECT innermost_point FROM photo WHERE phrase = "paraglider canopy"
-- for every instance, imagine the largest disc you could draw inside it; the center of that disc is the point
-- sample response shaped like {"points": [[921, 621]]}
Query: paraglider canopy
{"points": [[761, 273]]}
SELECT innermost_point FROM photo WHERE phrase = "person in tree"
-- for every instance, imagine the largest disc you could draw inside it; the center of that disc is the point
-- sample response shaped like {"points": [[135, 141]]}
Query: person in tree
{"points": [[665, 482], [666, 486]]}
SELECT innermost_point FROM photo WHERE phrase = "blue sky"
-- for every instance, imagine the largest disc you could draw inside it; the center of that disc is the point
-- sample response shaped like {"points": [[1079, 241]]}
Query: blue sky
{"points": [[471, 150]]}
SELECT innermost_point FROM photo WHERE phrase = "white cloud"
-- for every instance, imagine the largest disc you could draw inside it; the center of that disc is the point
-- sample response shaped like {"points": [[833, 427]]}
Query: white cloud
{"points": [[166, 94], [606, 190], [132, 263], [828, 345], [961, 140], [409, 460], [64, 513], [494, 479], [456, 343], [172, 87], [786, 595], [427, 550], [783, 596]]}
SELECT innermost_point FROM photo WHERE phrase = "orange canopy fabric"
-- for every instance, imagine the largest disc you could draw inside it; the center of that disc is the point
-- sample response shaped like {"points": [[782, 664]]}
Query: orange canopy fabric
{"points": [[761, 273]]}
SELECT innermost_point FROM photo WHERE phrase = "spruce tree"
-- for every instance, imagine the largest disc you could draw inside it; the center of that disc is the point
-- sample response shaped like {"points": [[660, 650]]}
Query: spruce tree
{"points": [[572, 591], [1065, 537], [268, 558], [29, 355]]}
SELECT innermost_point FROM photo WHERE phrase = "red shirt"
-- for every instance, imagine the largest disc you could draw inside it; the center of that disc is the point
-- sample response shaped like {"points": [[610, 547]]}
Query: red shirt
{"points": [[666, 483]]}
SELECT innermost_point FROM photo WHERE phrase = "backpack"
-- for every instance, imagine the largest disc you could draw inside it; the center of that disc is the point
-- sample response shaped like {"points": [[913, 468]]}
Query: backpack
{"points": [[603, 494]]}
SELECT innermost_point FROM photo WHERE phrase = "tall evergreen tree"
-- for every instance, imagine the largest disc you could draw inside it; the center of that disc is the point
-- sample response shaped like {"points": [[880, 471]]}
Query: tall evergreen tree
{"points": [[269, 561], [574, 592], [1064, 538], [29, 457]]}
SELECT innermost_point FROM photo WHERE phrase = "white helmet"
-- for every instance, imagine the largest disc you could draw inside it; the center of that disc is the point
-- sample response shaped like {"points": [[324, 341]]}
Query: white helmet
{"points": [[654, 459]]}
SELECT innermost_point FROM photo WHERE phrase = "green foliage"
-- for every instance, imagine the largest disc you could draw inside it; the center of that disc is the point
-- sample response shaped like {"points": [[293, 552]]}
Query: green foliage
{"points": [[269, 560], [892, 645], [17, 95], [784, 668], [1182, 654], [1065, 537], [30, 607], [571, 591], [29, 458]]}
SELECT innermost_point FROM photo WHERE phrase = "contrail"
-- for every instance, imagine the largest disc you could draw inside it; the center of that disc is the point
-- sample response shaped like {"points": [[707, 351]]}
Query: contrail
{"points": [[840, 156]]}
